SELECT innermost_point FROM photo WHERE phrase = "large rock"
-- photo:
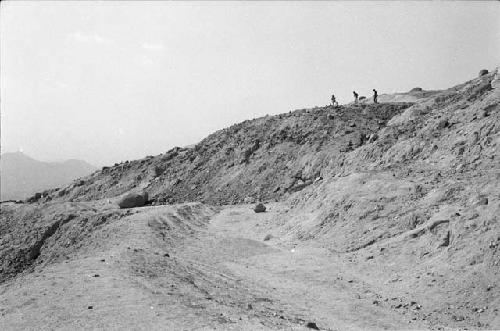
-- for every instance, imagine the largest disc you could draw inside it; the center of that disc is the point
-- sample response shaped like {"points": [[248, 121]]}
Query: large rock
{"points": [[259, 208], [132, 200], [35, 198], [483, 72]]}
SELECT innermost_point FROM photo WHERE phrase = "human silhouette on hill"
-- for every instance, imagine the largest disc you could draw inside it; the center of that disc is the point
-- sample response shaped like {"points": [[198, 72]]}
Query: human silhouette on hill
{"points": [[334, 101], [375, 96], [355, 97]]}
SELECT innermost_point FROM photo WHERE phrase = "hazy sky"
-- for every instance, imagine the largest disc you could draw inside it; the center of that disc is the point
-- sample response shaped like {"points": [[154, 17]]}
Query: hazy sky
{"points": [[111, 81]]}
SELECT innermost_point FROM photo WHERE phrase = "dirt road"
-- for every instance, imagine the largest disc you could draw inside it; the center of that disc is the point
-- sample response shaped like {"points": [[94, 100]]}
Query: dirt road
{"points": [[191, 267]]}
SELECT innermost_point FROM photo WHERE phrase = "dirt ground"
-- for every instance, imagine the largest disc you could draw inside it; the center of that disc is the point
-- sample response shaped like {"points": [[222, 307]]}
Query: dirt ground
{"points": [[192, 267]]}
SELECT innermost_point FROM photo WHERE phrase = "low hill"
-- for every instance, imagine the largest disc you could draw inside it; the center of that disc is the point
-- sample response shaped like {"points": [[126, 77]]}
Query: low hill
{"points": [[22, 176], [272, 156], [259, 159]]}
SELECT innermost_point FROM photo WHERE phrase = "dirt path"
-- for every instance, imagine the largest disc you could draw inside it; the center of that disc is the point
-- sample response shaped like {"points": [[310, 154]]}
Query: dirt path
{"points": [[186, 268], [306, 283]]}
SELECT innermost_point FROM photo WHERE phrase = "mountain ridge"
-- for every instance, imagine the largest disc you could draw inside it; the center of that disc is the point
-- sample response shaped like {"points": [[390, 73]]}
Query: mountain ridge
{"points": [[23, 175]]}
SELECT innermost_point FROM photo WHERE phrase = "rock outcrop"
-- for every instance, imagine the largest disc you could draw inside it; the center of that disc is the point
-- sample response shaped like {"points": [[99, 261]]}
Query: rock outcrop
{"points": [[259, 208], [132, 200]]}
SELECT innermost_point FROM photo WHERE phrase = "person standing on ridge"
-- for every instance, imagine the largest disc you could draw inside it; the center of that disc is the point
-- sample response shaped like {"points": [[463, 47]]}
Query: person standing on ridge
{"points": [[375, 96], [355, 97], [334, 101]]}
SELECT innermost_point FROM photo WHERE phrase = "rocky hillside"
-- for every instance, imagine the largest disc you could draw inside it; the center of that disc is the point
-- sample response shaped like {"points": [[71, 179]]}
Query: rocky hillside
{"points": [[273, 156], [441, 155], [259, 159], [419, 208]]}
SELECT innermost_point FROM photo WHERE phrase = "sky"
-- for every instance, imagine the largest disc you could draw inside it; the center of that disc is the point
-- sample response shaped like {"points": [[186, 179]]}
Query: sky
{"points": [[112, 81]]}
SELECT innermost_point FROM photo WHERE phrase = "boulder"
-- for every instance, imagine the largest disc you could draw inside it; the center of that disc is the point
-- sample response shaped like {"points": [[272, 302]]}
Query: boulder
{"points": [[483, 72], [35, 198], [259, 208], [132, 200], [312, 325]]}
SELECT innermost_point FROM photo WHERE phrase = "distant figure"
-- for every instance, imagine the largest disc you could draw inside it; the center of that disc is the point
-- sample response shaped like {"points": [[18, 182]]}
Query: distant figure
{"points": [[375, 96], [355, 97], [334, 101]]}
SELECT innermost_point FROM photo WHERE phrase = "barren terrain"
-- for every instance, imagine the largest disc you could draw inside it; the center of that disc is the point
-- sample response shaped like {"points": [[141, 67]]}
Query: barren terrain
{"points": [[378, 217]]}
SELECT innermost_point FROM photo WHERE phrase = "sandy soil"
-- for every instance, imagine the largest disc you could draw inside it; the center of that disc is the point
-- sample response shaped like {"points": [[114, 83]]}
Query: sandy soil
{"points": [[190, 268]]}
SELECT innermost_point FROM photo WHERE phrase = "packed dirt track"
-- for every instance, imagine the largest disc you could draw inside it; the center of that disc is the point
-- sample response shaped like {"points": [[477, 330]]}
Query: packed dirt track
{"points": [[190, 267], [194, 267]]}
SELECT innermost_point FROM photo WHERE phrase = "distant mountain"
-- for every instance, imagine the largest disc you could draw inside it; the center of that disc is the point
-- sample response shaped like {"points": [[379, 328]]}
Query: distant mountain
{"points": [[22, 176]]}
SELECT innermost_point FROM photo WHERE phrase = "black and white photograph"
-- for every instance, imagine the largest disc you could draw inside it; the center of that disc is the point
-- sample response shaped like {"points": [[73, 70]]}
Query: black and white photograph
{"points": [[249, 165]]}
